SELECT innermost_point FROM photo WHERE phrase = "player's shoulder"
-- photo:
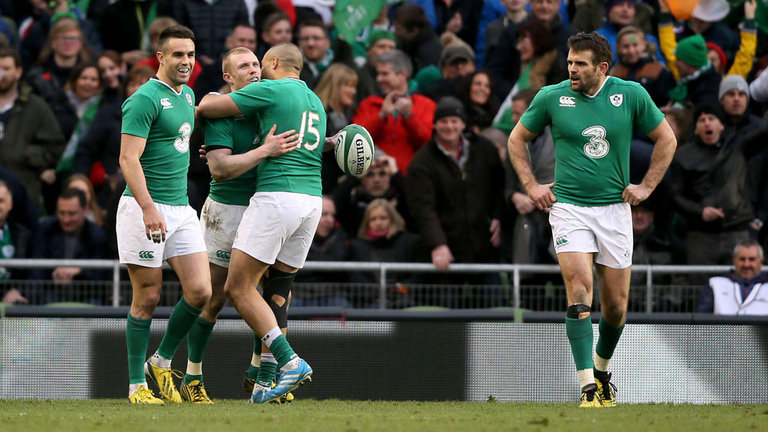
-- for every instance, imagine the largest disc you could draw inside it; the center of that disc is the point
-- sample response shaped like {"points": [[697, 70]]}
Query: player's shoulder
{"points": [[562, 88], [625, 85]]}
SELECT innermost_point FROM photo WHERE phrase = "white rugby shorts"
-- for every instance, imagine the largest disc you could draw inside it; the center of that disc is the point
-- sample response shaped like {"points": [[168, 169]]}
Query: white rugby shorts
{"points": [[183, 235], [219, 224], [279, 226], [604, 230]]}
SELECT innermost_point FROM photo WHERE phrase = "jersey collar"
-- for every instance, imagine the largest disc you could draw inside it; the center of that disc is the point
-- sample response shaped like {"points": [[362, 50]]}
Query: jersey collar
{"points": [[169, 87], [598, 90]]}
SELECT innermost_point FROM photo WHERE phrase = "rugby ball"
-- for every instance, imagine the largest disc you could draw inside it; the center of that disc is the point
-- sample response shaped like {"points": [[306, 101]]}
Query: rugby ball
{"points": [[354, 150]]}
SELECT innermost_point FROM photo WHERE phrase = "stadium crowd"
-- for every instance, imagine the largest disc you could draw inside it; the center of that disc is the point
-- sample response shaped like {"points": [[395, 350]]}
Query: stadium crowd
{"points": [[439, 85]]}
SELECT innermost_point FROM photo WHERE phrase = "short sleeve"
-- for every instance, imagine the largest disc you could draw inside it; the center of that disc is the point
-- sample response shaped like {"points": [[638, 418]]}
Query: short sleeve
{"points": [[219, 133], [139, 112], [647, 114], [253, 98], [536, 117]]}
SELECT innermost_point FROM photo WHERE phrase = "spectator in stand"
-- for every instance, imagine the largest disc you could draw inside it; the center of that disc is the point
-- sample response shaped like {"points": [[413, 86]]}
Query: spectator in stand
{"points": [[24, 210], [456, 61], [125, 27], [336, 89], [276, 29], [68, 235], [210, 79], [459, 17], [93, 212], [399, 123], [744, 291], [504, 63], [515, 14], [315, 45], [98, 153], [415, 36], [454, 190], [619, 14], [157, 27], [637, 63], [707, 20], [734, 99], [14, 243], [330, 243], [30, 136], [382, 237], [697, 81], [211, 22], [378, 42], [475, 91], [112, 70], [383, 180], [710, 186]]}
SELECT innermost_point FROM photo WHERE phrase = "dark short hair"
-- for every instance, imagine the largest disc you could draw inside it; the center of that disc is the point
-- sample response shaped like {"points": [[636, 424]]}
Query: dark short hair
{"points": [[312, 22], [525, 95], [593, 42], [12, 53], [708, 109], [412, 17], [72, 192], [175, 32], [542, 39]]}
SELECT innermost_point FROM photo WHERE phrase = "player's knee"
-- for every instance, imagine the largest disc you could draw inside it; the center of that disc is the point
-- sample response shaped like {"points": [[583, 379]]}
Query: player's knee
{"points": [[215, 304], [614, 311], [578, 311], [198, 296], [146, 303], [280, 310]]}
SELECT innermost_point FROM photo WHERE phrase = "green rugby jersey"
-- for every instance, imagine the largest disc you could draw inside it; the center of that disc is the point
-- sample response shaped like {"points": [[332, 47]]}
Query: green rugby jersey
{"points": [[166, 119], [592, 137], [239, 134], [289, 104]]}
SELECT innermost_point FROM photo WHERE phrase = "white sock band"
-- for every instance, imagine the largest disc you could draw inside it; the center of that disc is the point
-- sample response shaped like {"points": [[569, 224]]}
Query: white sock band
{"points": [[194, 368], [160, 361], [255, 360], [586, 377], [601, 364], [268, 358], [271, 336]]}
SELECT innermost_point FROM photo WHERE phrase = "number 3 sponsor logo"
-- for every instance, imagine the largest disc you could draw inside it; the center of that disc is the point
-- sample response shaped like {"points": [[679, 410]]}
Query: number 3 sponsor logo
{"points": [[182, 143], [598, 146]]}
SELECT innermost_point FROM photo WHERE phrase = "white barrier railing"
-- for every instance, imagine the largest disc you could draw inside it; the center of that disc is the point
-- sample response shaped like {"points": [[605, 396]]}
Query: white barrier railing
{"points": [[383, 268]]}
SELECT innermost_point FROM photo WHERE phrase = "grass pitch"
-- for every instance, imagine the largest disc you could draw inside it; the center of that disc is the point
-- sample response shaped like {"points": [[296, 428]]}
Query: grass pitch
{"points": [[360, 416]]}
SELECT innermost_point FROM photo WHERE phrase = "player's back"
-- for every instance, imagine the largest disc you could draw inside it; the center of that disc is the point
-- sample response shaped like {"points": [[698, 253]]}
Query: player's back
{"points": [[289, 104]]}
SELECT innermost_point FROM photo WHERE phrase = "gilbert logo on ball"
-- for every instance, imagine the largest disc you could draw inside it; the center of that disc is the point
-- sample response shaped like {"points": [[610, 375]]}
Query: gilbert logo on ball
{"points": [[354, 150]]}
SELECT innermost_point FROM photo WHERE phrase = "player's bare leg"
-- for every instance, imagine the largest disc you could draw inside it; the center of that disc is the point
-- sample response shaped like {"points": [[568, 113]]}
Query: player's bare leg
{"points": [[614, 294], [146, 284], [576, 268], [245, 272]]}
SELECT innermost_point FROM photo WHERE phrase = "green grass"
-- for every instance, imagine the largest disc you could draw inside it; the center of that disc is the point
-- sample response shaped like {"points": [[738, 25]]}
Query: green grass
{"points": [[352, 416]]}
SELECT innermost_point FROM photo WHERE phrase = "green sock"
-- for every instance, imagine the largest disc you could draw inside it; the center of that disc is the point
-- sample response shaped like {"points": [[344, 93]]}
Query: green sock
{"points": [[579, 333], [282, 351], [253, 371], [181, 320], [267, 372], [199, 336], [137, 341], [608, 339]]}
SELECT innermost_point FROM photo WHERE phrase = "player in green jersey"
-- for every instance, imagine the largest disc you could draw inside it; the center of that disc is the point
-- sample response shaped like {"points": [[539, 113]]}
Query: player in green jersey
{"points": [[231, 158], [278, 226], [154, 220], [592, 117]]}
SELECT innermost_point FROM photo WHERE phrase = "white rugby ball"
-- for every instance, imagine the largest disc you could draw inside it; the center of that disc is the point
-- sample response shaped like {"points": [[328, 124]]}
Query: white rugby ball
{"points": [[354, 150]]}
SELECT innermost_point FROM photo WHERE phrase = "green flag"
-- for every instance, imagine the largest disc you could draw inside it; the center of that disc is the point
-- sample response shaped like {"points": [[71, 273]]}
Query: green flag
{"points": [[351, 16]]}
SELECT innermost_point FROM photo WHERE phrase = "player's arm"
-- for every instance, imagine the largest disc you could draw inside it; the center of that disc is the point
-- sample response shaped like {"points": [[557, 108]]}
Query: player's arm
{"points": [[131, 148], [217, 106], [225, 166], [518, 140], [664, 147]]}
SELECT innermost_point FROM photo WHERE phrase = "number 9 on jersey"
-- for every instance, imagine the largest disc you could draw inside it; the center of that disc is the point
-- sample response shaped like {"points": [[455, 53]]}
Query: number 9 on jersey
{"points": [[354, 150]]}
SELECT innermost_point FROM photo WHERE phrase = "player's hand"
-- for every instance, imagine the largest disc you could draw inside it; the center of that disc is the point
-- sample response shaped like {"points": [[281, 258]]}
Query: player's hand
{"points": [[635, 194], [13, 296], [663, 6], [495, 231], [154, 224], [65, 274], [523, 203], [48, 176], [203, 153], [749, 9], [542, 195], [280, 144], [442, 257], [710, 214]]}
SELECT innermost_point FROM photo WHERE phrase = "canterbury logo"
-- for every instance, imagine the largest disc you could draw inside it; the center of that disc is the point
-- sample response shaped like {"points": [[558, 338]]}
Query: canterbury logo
{"points": [[166, 103], [561, 240], [146, 255], [567, 101], [222, 254]]}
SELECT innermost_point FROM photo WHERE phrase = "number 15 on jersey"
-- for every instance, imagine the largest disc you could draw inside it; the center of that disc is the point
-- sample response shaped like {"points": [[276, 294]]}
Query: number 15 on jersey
{"points": [[307, 127]]}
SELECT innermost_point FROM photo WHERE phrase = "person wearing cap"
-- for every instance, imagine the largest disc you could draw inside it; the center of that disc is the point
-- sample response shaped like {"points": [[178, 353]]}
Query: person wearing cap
{"points": [[734, 100], [710, 187], [456, 61], [619, 14], [379, 41], [740, 63], [697, 80], [399, 123], [454, 189]]}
